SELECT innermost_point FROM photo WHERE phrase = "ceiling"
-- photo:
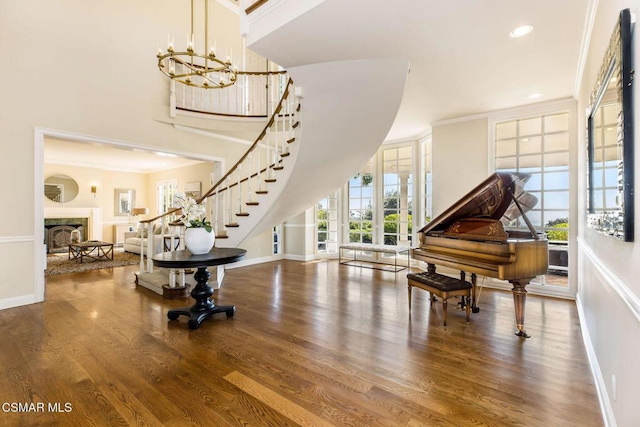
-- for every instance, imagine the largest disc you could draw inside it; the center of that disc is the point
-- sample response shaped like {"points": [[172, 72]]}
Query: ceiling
{"points": [[110, 157], [462, 60]]}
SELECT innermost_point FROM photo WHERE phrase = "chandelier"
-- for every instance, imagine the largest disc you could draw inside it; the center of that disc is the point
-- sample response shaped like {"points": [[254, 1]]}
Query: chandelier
{"points": [[203, 70]]}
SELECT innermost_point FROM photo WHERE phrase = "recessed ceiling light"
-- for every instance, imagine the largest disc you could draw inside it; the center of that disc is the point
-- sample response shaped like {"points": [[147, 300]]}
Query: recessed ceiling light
{"points": [[535, 95], [521, 31]]}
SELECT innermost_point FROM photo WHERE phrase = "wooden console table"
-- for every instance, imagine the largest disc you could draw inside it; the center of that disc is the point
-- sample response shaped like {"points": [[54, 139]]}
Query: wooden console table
{"points": [[202, 292]]}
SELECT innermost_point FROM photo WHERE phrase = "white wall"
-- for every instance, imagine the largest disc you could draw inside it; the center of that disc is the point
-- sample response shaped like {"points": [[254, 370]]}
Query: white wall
{"points": [[609, 289], [460, 153], [299, 240]]}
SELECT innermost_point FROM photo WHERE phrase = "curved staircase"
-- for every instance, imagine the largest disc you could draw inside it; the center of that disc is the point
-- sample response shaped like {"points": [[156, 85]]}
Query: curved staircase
{"points": [[308, 149]]}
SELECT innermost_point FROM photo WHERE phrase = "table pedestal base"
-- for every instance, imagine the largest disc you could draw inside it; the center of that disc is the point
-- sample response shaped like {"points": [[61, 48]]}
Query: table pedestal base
{"points": [[196, 317], [204, 306]]}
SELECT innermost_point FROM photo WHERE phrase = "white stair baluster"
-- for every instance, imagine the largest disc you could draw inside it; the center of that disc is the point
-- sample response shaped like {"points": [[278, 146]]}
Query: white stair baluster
{"points": [[149, 248]]}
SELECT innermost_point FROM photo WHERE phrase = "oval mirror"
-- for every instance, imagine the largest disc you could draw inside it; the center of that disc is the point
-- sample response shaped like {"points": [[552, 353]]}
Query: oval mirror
{"points": [[60, 188]]}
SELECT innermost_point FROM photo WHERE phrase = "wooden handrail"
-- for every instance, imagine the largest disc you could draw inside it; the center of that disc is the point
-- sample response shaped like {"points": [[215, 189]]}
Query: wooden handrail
{"points": [[254, 6], [211, 113], [262, 134], [254, 107], [169, 212], [285, 95], [260, 73]]}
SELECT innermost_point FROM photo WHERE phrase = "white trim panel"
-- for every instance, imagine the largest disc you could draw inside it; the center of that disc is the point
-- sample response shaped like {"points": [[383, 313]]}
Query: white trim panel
{"points": [[18, 301], [609, 277], [601, 386], [17, 239], [253, 261]]}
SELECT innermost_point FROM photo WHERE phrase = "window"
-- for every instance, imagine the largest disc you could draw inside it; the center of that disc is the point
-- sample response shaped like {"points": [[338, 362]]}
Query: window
{"points": [[378, 204], [361, 206], [426, 167], [276, 239], [397, 195], [165, 191], [327, 224], [540, 146]]}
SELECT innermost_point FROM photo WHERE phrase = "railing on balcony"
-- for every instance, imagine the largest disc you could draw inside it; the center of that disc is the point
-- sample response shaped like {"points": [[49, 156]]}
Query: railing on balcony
{"points": [[254, 94]]}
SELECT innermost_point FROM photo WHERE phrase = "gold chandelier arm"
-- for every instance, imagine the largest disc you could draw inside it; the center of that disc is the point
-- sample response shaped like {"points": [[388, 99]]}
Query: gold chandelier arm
{"points": [[201, 70]]}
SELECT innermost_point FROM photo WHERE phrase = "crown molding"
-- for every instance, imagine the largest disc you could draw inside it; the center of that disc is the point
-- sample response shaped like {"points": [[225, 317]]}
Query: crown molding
{"points": [[592, 8]]}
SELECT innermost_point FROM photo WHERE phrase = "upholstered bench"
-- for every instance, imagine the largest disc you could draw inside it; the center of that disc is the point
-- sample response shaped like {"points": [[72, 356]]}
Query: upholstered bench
{"points": [[442, 286]]}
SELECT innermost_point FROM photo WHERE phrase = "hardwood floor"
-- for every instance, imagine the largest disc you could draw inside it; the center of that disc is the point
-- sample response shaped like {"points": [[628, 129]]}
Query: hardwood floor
{"points": [[310, 344]]}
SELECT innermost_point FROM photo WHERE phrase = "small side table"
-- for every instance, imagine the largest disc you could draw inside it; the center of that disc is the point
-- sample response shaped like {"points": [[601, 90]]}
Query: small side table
{"points": [[202, 292]]}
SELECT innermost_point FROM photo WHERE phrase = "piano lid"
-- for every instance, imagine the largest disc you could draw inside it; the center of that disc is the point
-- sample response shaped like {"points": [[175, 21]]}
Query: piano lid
{"points": [[493, 198]]}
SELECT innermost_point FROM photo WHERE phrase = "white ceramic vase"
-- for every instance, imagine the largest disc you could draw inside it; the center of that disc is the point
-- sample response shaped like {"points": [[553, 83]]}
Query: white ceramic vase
{"points": [[198, 240]]}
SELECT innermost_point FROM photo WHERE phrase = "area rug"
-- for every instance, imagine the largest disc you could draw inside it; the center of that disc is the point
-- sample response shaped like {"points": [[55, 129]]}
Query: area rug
{"points": [[61, 264]]}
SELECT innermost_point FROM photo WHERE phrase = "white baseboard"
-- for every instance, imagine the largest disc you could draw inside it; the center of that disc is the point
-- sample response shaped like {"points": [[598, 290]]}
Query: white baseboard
{"points": [[300, 257], [253, 261], [18, 301], [601, 387]]}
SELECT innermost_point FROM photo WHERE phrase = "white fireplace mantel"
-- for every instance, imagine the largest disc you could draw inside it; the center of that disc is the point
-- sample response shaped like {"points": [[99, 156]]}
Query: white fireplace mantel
{"points": [[93, 215]]}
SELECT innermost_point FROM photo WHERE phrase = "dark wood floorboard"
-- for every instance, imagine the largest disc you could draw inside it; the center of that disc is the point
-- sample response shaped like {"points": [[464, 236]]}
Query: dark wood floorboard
{"points": [[311, 344]]}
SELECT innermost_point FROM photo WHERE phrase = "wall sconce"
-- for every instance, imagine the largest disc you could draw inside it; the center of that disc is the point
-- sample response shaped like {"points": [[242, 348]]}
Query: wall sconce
{"points": [[94, 190]]}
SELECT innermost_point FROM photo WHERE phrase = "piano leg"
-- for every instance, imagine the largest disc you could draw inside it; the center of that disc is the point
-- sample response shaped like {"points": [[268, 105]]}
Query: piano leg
{"points": [[474, 293], [519, 298]]}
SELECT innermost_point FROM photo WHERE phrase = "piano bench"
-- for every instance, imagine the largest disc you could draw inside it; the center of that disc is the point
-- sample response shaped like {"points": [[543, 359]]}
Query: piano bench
{"points": [[442, 286]]}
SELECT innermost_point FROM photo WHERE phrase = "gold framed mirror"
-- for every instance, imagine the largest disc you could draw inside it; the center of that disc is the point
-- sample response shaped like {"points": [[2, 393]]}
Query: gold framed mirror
{"points": [[124, 200], [60, 188]]}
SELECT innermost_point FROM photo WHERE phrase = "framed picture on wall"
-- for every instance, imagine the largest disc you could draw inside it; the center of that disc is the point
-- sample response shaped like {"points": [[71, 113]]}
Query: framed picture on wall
{"points": [[193, 189], [123, 201]]}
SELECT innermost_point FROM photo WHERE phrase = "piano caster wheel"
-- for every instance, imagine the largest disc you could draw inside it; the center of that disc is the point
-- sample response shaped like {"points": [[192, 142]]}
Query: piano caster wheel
{"points": [[475, 309], [523, 334]]}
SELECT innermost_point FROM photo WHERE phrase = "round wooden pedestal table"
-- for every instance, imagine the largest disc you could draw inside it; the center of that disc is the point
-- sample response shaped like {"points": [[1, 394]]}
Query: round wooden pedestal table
{"points": [[202, 293]]}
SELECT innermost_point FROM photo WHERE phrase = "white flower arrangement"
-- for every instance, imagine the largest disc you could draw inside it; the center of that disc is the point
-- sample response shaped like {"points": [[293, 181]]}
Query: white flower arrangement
{"points": [[193, 214]]}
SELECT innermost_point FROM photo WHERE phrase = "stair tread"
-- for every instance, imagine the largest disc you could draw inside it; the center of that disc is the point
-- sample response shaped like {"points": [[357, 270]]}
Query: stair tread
{"points": [[285, 154], [270, 180], [278, 168], [261, 192], [242, 214], [291, 140], [233, 224], [252, 203]]}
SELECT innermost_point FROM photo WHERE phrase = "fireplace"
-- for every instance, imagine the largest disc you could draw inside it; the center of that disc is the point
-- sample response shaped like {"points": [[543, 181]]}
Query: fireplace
{"points": [[57, 232], [60, 222]]}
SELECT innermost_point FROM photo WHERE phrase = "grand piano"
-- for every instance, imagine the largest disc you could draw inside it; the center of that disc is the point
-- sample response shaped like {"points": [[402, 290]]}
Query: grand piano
{"points": [[471, 237]]}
